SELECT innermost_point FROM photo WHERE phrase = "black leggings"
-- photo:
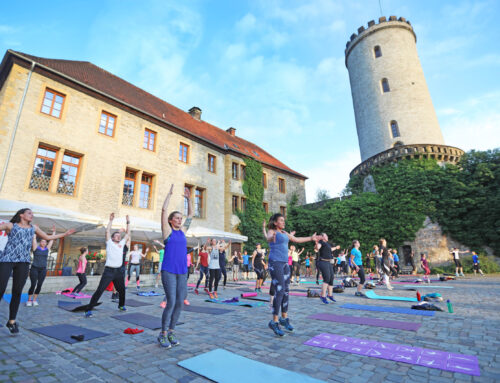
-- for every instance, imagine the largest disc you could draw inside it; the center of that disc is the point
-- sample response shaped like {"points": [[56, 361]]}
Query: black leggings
{"points": [[259, 270], [326, 269], [37, 276], [296, 269], [83, 281], [361, 275], [19, 272], [214, 279], [224, 272], [110, 274], [203, 272]]}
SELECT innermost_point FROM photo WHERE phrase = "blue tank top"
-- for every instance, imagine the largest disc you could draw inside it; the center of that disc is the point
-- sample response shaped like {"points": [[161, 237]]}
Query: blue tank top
{"points": [[19, 245], [175, 255], [40, 257], [279, 248]]}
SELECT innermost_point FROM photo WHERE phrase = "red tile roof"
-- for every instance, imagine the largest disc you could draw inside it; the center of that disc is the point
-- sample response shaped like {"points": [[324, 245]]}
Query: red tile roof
{"points": [[111, 85]]}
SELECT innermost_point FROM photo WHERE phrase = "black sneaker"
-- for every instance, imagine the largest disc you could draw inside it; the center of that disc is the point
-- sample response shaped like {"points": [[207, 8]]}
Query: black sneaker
{"points": [[12, 327]]}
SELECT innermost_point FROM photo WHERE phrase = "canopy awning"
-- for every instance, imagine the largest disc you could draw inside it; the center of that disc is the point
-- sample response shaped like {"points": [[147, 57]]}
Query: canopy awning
{"points": [[46, 217], [204, 233]]}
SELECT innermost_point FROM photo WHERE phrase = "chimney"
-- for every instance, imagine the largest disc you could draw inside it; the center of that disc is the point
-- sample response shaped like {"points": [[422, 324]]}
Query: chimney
{"points": [[195, 112], [231, 131]]}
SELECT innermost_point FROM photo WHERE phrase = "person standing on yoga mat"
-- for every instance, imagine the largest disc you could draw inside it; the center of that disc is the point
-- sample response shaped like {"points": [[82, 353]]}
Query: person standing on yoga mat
{"points": [[475, 262], [425, 267], [136, 257], [458, 265], [223, 260], [15, 258], [174, 267], [278, 240], [80, 271], [236, 265], [325, 266], [246, 264], [296, 263], [126, 248], [113, 268], [38, 270], [357, 264], [259, 266], [386, 262], [202, 262]]}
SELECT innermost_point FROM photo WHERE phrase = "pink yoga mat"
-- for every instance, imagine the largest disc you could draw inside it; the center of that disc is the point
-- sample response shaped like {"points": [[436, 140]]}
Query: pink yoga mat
{"points": [[297, 294], [399, 325], [441, 360], [77, 296]]}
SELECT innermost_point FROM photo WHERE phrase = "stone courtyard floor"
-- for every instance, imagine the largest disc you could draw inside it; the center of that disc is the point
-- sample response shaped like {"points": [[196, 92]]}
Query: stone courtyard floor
{"points": [[474, 329]]}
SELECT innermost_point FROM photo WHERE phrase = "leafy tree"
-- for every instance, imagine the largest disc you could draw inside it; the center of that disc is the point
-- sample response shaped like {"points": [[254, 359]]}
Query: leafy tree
{"points": [[322, 195]]}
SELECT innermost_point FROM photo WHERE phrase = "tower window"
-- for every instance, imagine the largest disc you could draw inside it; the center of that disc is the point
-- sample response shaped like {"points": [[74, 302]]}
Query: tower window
{"points": [[385, 85], [377, 51], [394, 129]]}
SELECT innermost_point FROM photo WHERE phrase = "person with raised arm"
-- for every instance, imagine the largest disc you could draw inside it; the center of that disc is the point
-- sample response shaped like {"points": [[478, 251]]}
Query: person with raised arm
{"points": [[325, 258], [80, 271], [38, 270], [259, 266], [278, 240], [136, 257], [15, 258], [113, 269], [174, 266]]}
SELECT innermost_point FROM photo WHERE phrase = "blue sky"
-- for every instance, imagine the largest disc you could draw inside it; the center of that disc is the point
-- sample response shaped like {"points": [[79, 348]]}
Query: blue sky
{"points": [[273, 69]]}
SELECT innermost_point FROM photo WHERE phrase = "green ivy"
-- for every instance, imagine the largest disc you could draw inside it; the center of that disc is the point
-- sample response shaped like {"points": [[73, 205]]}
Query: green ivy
{"points": [[463, 199], [251, 219]]}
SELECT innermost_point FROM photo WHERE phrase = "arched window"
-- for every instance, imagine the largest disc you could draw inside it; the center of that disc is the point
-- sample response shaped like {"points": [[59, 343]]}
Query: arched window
{"points": [[385, 85], [394, 129], [377, 51]]}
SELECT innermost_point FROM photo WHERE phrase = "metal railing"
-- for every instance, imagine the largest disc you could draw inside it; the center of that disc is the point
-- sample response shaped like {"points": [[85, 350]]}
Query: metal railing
{"points": [[39, 182]]}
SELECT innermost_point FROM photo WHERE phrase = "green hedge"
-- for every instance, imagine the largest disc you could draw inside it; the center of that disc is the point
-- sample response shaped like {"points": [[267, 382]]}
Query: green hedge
{"points": [[486, 264]]}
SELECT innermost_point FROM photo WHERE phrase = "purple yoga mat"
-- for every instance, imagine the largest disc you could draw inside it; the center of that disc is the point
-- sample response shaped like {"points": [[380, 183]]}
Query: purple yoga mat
{"points": [[441, 360], [399, 325]]}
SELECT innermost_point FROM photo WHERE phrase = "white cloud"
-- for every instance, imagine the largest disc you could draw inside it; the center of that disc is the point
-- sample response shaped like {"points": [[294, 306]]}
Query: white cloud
{"points": [[247, 23]]}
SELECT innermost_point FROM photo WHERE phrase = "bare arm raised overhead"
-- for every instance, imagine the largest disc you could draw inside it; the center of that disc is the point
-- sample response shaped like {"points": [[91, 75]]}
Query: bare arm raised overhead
{"points": [[165, 226]]}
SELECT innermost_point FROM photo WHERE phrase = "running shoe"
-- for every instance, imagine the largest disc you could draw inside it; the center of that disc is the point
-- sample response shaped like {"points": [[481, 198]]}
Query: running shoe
{"points": [[196, 292], [122, 308], [35, 303], [88, 314], [12, 327], [186, 302], [163, 341], [172, 340], [331, 298], [456, 274], [323, 299], [138, 288], [211, 295], [462, 275], [285, 322], [215, 295], [276, 328], [206, 290], [389, 287], [29, 303], [358, 294]]}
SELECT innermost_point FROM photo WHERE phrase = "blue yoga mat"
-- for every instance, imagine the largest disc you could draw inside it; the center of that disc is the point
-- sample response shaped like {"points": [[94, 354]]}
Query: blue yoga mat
{"points": [[371, 294], [8, 297], [225, 367], [244, 304], [398, 310]]}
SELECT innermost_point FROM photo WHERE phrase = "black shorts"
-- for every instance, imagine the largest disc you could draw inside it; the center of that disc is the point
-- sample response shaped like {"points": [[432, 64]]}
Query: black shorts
{"points": [[245, 268], [326, 269], [296, 269], [308, 267], [457, 263], [476, 266], [259, 271]]}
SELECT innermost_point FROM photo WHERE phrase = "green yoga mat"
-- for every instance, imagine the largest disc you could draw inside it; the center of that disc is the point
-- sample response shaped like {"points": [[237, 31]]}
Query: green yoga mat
{"points": [[225, 367], [371, 294]]}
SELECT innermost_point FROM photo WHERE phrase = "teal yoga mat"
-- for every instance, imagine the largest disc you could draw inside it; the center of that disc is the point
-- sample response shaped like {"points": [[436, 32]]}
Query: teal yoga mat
{"points": [[8, 297], [371, 294], [225, 367]]}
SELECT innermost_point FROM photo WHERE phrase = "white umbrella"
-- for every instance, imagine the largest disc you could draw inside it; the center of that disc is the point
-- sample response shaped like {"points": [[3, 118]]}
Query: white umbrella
{"points": [[203, 233]]}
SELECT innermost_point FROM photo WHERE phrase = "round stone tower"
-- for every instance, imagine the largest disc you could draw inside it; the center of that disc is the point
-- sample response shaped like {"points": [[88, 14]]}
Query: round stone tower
{"points": [[392, 104]]}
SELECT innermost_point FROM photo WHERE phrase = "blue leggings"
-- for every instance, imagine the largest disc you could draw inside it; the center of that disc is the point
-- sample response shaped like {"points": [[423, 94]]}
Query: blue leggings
{"points": [[280, 274], [175, 286]]}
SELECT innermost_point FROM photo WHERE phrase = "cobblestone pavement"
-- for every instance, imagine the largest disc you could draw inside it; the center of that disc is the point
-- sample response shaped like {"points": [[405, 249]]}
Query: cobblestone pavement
{"points": [[472, 329]]}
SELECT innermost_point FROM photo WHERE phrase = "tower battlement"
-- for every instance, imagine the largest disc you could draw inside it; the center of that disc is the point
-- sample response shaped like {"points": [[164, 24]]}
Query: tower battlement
{"points": [[383, 22]]}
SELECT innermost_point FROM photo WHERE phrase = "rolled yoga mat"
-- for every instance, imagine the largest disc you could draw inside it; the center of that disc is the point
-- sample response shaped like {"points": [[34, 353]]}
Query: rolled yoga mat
{"points": [[64, 332], [442, 360], [226, 367], [398, 325], [247, 295], [371, 294], [388, 309]]}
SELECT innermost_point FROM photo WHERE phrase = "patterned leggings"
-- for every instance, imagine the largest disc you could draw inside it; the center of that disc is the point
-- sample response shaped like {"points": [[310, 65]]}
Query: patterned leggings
{"points": [[280, 274]]}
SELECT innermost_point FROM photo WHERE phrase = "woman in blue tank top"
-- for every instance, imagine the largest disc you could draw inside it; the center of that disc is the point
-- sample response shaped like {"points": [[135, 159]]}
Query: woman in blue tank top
{"points": [[174, 266], [278, 240]]}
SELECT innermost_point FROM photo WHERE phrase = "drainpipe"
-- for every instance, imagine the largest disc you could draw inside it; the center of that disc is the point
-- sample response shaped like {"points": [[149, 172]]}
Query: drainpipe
{"points": [[16, 124]]}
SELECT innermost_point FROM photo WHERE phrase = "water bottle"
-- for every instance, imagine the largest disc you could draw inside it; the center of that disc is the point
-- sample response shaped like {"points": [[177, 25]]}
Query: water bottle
{"points": [[419, 297], [450, 307]]}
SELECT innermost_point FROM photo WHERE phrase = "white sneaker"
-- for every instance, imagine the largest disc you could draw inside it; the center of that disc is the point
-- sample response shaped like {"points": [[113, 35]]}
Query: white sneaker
{"points": [[462, 275], [156, 286], [389, 287], [29, 304], [35, 303]]}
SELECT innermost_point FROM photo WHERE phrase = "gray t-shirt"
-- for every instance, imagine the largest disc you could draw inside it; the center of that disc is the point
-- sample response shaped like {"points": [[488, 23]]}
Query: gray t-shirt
{"points": [[214, 259]]}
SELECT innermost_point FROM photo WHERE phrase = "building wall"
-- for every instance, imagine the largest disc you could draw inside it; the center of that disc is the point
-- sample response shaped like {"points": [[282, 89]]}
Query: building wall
{"points": [[408, 102], [105, 159]]}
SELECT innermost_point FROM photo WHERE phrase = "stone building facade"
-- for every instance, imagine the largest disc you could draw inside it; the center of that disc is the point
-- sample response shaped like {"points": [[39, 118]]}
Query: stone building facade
{"points": [[75, 137]]}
